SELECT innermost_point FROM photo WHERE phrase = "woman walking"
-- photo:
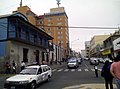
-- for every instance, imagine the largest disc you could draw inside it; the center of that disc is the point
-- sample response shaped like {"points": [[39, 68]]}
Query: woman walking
{"points": [[107, 75]]}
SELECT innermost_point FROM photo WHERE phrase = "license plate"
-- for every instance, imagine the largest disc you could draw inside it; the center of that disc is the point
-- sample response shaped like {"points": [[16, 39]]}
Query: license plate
{"points": [[13, 87]]}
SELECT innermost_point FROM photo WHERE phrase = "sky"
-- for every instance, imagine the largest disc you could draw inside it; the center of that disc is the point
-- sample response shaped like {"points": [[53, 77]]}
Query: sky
{"points": [[81, 13]]}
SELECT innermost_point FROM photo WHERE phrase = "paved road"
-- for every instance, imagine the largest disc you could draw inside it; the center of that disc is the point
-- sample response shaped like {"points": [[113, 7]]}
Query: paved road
{"points": [[80, 78], [63, 78]]}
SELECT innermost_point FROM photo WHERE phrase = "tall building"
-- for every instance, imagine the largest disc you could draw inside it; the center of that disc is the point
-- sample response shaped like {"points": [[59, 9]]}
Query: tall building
{"points": [[95, 44], [87, 48], [55, 23]]}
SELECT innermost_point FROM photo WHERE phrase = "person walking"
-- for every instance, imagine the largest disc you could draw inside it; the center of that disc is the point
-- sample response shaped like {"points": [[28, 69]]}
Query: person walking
{"points": [[107, 75], [8, 68], [13, 67], [96, 68], [22, 65], [115, 70]]}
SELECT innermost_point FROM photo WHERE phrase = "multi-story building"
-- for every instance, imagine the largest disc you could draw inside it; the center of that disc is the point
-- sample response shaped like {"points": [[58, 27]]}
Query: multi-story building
{"points": [[87, 48], [83, 53], [109, 48], [22, 41], [55, 23], [96, 44]]}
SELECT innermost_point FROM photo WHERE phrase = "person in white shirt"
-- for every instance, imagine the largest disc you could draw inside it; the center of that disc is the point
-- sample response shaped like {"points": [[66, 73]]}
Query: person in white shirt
{"points": [[22, 65]]}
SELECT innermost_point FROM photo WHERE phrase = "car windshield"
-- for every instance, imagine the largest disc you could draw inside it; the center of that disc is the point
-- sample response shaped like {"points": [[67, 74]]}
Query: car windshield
{"points": [[29, 71], [72, 61]]}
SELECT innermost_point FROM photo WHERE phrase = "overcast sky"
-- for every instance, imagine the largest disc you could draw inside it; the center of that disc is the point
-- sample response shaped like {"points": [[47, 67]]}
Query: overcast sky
{"points": [[102, 13]]}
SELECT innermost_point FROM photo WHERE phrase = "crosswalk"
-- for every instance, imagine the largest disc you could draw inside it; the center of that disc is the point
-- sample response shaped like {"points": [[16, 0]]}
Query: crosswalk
{"points": [[73, 70]]}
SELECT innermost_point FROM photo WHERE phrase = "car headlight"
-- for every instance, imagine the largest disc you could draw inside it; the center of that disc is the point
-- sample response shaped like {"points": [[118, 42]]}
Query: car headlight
{"points": [[23, 82]]}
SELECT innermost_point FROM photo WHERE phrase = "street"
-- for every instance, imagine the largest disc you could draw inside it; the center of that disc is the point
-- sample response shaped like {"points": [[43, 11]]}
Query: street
{"points": [[81, 78]]}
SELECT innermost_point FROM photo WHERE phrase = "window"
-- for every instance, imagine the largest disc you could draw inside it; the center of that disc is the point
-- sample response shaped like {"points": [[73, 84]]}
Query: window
{"points": [[59, 18], [48, 24], [27, 35], [35, 38], [59, 28], [49, 19], [40, 22], [60, 37], [60, 41], [49, 28], [59, 23], [59, 32]]}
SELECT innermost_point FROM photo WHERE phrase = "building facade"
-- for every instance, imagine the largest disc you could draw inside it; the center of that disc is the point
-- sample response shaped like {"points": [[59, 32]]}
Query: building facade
{"points": [[96, 44], [55, 23], [22, 41], [87, 49]]}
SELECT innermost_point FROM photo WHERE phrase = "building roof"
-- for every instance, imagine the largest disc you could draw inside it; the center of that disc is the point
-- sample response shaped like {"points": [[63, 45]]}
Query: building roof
{"points": [[24, 18], [14, 14]]}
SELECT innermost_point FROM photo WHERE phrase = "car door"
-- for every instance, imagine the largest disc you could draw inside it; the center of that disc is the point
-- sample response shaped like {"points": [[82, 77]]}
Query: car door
{"points": [[44, 74], [39, 75]]}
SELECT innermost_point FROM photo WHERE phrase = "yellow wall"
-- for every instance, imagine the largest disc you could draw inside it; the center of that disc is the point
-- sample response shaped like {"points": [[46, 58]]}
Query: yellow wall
{"points": [[24, 10], [98, 39]]}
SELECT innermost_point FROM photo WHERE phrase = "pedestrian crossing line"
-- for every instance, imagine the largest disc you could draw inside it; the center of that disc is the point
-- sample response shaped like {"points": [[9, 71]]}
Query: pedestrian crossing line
{"points": [[60, 70], [66, 70], [86, 69], [93, 69], [79, 69], [54, 70], [72, 70]]}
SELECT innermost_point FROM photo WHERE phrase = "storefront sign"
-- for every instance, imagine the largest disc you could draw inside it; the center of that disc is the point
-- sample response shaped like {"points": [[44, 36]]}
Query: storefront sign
{"points": [[105, 52], [116, 44]]}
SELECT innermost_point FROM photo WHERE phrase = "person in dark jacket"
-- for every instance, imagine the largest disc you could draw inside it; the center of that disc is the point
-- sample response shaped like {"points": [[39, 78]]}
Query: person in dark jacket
{"points": [[96, 68], [107, 75]]}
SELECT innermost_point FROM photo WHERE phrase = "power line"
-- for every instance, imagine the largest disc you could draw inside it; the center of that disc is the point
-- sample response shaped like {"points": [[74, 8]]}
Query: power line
{"points": [[83, 27]]}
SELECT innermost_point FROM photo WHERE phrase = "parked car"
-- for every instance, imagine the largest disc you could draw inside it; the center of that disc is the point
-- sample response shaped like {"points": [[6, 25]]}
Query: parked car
{"points": [[101, 60], [106, 59], [73, 63], [29, 77], [94, 61]]}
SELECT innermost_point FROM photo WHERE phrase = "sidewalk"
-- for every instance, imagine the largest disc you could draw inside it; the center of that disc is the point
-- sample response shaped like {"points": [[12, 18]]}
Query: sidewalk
{"points": [[89, 86]]}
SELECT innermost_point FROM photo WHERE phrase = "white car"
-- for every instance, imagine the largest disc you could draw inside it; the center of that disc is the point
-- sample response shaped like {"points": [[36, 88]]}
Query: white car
{"points": [[72, 63], [29, 77], [94, 61]]}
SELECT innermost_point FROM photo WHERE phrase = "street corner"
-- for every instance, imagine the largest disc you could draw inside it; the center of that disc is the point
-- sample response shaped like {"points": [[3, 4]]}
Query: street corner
{"points": [[88, 86]]}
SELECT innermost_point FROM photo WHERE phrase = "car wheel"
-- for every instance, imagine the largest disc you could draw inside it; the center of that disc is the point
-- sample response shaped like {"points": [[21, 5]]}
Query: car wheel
{"points": [[33, 85]]}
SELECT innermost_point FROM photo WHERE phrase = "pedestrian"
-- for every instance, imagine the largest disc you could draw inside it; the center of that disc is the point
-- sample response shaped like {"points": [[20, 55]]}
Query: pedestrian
{"points": [[107, 75], [13, 67], [115, 70], [22, 65], [8, 68], [96, 68]]}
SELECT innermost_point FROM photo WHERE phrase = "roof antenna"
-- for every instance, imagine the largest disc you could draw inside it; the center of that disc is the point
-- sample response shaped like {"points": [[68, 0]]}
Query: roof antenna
{"points": [[21, 3], [58, 2]]}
